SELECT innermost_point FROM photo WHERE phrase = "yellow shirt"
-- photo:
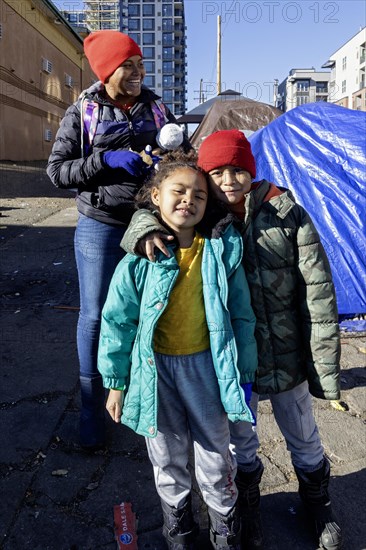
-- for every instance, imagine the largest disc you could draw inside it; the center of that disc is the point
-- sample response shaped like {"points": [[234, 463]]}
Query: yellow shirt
{"points": [[182, 328]]}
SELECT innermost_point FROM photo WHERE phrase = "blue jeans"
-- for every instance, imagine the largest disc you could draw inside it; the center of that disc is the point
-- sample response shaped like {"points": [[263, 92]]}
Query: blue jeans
{"points": [[97, 253]]}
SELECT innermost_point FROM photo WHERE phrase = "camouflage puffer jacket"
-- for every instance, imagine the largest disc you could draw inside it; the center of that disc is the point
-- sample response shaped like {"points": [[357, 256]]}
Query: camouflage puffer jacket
{"points": [[293, 296], [292, 292]]}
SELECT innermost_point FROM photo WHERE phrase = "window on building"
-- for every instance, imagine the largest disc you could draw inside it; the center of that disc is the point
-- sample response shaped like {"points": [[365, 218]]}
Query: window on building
{"points": [[302, 85], [149, 80], [168, 39], [148, 53], [344, 86], [168, 54], [133, 10], [362, 52], [167, 24], [344, 63], [167, 10], [150, 66], [134, 24], [301, 100], [136, 36], [168, 81], [168, 67], [148, 24], [321, 87], [362, 79], [148, 10], [148, 38], [168, 95]]}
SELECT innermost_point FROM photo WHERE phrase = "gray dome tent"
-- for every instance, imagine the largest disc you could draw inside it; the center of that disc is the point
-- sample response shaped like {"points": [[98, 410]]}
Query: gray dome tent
{"points": [[229, 111]]}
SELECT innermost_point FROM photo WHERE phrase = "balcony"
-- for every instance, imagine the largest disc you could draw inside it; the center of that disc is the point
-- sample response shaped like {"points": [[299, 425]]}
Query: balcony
{"points": [[178, 29], [358, 100]]}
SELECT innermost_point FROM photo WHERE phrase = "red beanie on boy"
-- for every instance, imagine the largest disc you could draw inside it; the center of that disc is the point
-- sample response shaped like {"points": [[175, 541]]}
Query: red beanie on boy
{"points": [[107, 50], [226, 147]]}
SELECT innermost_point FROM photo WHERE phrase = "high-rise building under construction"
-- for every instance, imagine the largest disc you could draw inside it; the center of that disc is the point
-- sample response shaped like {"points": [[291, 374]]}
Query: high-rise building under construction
{"points": [[158, 26]]}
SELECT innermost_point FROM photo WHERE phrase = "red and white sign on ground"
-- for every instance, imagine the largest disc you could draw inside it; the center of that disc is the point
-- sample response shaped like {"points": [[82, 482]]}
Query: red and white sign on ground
{"points": [[125, 526]]}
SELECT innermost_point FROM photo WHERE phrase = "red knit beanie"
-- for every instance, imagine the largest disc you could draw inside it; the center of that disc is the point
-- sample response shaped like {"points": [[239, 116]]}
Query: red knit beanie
{"points": [[107, 50], [226, 147]]}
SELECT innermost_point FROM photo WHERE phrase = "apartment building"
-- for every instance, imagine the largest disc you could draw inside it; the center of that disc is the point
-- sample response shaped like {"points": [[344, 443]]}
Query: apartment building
{"points": [[42, 71], [158, 26], [300, 87], [347, 86]]}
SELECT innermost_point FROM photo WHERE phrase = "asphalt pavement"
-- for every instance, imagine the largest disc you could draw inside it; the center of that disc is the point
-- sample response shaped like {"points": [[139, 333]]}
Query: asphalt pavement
{"points": [[56, 496]]}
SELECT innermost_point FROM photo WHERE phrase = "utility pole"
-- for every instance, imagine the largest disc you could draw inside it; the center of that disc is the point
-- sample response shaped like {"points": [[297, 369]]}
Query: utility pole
{"points": [[275, 92], [218, 54], [201, 92]]}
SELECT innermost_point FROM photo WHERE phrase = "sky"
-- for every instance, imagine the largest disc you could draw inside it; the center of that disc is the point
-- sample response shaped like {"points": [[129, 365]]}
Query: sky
{"points": [[260, 41]]}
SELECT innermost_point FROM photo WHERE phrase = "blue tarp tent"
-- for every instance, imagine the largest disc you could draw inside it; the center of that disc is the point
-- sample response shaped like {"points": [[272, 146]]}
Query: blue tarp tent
{"points": [[319, 152]]}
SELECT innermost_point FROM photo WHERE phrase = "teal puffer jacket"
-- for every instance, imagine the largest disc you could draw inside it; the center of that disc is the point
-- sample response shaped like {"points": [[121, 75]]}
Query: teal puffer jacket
{"points": [[138, 295]]}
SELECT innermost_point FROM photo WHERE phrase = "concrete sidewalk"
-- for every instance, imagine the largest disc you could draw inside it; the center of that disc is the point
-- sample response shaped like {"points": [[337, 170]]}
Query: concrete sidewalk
{"points": [[54, 495]]}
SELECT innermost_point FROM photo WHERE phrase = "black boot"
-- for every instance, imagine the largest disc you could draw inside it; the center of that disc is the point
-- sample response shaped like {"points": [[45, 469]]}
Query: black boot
{"points": [[225, 531], [180, 530], [249, 502], [313, 490]]}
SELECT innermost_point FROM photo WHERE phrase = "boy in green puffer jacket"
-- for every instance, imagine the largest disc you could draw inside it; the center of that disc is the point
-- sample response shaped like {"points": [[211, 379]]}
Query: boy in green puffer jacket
{"points": [[297, 324]]}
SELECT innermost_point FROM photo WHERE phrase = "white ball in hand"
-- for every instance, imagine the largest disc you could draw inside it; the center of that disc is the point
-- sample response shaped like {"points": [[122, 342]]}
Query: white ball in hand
{"points": [[170, 137]]}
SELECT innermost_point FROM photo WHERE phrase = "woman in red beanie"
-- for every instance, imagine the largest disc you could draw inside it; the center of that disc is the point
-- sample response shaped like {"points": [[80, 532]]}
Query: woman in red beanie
{"points": [[97, 151], [297, 331]]}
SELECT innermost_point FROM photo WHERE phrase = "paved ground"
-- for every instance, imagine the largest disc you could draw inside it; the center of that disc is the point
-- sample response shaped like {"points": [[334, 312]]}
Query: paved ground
{"points": [[53, 495]]}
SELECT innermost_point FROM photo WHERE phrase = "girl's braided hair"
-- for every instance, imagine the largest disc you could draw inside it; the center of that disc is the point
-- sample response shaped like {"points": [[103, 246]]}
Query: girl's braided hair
{"points": [[170, 162]]}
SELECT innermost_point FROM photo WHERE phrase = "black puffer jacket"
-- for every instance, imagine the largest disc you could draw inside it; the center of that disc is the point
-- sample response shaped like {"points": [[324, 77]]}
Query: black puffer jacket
{"points": [[104, 194]]}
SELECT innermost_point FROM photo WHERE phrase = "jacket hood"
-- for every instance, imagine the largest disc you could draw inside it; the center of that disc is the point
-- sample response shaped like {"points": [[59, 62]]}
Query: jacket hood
{"points": [[213, 225], [230, 249], [257, 198]]}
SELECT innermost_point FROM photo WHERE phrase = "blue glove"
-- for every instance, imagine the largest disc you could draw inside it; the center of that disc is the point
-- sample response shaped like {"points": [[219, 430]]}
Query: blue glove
{"points": [[129, 161], [247, 387]]}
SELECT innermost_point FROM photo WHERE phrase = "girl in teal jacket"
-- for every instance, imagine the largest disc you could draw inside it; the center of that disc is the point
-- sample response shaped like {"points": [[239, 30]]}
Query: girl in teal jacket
{"points": [[177, 351]]}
